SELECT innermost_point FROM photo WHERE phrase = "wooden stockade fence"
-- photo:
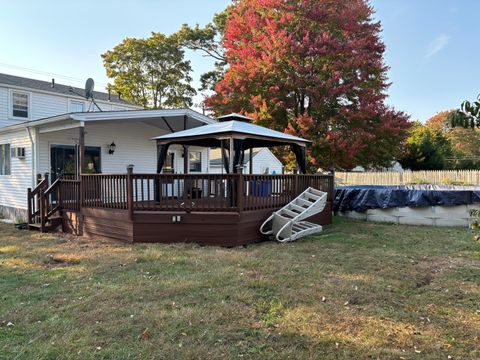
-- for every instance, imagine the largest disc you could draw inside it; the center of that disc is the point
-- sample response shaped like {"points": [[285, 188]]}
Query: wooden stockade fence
{"points": [[434, 177]]}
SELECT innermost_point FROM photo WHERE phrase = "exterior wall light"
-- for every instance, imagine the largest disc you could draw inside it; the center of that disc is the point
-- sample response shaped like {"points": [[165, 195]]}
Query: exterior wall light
{"points": [[111, 148]]}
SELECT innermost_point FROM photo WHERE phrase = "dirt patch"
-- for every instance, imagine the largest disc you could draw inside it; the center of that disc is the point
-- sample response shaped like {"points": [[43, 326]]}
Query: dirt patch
{"points": [[54, 260]]}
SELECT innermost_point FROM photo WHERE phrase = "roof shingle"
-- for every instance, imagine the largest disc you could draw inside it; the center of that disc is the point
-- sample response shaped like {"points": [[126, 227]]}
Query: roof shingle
{"points": [[58, 88]]}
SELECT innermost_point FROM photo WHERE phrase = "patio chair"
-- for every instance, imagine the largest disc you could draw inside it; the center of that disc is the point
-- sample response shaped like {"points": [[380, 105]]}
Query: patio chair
{"points": [[288, 224]]}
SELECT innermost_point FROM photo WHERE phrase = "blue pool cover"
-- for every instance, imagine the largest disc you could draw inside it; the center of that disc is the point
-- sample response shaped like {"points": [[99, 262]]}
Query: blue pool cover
{"points": [[363, 197]]}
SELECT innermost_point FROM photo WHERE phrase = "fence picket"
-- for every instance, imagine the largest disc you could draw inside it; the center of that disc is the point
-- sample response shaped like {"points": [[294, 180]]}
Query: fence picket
{"points": [[434, 177]]}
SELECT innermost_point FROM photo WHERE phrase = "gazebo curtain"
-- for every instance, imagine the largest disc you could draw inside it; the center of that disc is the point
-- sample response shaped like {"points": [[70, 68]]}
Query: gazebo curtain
{"points": [[237, 149], [162, 154], [237, 157], [226, 162], [301, 156]]}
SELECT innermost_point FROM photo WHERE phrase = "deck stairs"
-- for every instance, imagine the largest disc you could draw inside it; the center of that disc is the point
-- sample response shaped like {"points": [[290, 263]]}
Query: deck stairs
{"points": [[44, 210], [289, 224]]}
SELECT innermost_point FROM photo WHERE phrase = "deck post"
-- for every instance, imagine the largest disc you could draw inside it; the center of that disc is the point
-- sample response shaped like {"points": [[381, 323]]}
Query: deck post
{"points": [[240, 188], [42, 210], [81, 155], [29, 205], [295, 190], [130, 192]]}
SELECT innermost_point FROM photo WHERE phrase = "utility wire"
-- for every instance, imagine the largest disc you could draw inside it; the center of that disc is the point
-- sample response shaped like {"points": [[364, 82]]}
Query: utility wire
{"points": [[46, 73]]}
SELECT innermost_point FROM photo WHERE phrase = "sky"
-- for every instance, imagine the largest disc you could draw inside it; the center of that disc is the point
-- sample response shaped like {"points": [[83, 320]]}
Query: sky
{"points": [[431, 45]]}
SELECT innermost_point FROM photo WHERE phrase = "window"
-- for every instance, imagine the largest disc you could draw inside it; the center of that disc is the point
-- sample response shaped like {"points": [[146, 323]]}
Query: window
{"points": [[77, 106], [195, 161], [5, 159], [19, 105]]}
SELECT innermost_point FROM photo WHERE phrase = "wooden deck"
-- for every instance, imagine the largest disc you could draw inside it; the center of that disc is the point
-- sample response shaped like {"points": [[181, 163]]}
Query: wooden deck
{"points": [[223, 209]]}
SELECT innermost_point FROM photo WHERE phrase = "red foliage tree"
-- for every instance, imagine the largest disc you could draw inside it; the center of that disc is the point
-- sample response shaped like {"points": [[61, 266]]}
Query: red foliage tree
{"points": [[312, 68]]}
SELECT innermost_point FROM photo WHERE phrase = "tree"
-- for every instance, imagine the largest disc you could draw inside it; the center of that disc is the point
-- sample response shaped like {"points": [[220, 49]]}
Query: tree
{"points": [[467, 116], [426, 149], [207, 40], [151, 72], [465, 142], [315, 69]]}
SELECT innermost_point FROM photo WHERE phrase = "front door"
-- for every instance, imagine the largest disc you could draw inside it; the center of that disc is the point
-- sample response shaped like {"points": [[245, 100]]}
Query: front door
{"points": [[63, 160]]}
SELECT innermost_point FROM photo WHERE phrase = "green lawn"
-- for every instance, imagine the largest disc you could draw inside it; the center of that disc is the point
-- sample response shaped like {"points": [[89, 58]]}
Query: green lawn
{"points": [[359, 290]]}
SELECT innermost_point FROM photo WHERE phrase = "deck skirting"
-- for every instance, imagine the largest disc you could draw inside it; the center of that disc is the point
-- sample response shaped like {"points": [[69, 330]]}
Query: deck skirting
{"points": [[205, 228]]}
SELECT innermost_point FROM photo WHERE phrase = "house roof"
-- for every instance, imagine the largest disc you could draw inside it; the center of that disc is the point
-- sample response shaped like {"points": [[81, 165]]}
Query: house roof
{"points": [[34, 84], [238, 129], [166, 119]]}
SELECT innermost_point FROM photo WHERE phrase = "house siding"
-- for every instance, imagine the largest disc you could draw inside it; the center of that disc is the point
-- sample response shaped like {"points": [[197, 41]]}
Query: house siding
{"points": [[43, 105], [13, 188], [261, 161]]}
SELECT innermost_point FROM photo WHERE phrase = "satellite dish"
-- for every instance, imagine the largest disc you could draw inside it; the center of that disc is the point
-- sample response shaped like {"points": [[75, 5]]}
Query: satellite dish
{"points": [[89, 85]]}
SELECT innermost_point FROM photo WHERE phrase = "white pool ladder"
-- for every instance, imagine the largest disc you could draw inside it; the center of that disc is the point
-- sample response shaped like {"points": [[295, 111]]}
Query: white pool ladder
{"points": [[288, 224]]}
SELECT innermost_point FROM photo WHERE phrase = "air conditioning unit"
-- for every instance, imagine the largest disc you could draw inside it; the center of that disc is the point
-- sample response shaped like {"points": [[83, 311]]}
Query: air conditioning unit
{"points": [[18, 152]]}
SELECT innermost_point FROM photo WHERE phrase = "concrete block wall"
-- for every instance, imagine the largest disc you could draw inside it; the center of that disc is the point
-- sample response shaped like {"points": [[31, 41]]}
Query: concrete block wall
{"points": [[458, 216]]}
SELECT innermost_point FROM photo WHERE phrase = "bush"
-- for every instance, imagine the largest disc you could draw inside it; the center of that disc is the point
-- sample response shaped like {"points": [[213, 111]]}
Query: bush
{"points": [[418, 181], [456, 183]]}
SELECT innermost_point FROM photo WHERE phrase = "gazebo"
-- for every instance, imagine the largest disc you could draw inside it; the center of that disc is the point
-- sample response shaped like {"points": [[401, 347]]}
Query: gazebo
{"points": [[234, 134]]}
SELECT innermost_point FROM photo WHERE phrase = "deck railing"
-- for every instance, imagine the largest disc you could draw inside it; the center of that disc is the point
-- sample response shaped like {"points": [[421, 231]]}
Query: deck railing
{"points": [[136, 192]]}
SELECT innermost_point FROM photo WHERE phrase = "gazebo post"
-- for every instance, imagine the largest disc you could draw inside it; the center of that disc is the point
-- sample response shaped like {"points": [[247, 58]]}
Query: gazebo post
{"points": [[185, 148], [250, 162], [230, 164]]}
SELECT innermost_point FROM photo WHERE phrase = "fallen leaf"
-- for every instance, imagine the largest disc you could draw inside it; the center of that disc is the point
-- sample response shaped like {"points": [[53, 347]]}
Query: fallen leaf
{"points": [[146, 334]]}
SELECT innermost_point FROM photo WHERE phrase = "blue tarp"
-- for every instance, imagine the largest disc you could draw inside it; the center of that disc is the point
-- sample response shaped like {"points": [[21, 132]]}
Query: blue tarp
{"points": [[364, 197]]}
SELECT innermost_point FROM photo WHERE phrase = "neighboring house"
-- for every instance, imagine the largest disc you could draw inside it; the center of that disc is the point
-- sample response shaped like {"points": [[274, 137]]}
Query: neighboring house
{"points": [[395, 167], [43, 124], [263, 162]]}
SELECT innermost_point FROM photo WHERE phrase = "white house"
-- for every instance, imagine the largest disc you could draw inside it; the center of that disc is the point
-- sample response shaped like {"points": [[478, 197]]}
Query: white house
{"points": [[43, 124], [263, 162]]}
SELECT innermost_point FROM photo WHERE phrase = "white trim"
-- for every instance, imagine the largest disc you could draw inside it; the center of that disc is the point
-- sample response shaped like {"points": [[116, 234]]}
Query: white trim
{"points": [[59, 127], [33, 153], [10, 105], [141, 114]]}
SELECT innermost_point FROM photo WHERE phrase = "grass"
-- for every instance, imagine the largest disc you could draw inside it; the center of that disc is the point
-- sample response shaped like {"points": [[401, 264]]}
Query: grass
{"points": [[359, 290]]}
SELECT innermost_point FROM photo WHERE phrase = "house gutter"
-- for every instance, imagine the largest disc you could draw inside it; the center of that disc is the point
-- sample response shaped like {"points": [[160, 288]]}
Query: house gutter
{"points": [[34, 156]]}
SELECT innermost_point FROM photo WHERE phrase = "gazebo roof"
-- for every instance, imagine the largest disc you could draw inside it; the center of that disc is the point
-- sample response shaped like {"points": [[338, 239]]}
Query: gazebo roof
{"points": [[258, 135]]}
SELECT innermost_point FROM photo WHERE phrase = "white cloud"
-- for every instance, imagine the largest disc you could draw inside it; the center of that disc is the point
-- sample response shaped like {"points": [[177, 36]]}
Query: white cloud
{"points": [[436, 45]]}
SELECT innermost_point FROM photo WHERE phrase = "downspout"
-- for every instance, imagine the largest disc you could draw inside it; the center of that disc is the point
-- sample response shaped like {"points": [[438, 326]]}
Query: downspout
{"points": [[34, 157]]}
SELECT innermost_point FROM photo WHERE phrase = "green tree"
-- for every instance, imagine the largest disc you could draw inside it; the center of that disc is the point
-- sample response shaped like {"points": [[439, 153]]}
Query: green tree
{"points": [[208, 40], [426, 149], [465, 141], [467, 116], [151, 72]]}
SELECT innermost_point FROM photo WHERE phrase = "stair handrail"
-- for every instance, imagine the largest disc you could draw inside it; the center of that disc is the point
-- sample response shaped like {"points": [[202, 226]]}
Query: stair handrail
{"points": [[46, 194], [31, 198]]}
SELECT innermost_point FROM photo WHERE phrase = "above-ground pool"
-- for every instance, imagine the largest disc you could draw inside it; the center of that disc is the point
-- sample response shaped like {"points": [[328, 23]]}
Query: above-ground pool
{"points": [[435, 205]]}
